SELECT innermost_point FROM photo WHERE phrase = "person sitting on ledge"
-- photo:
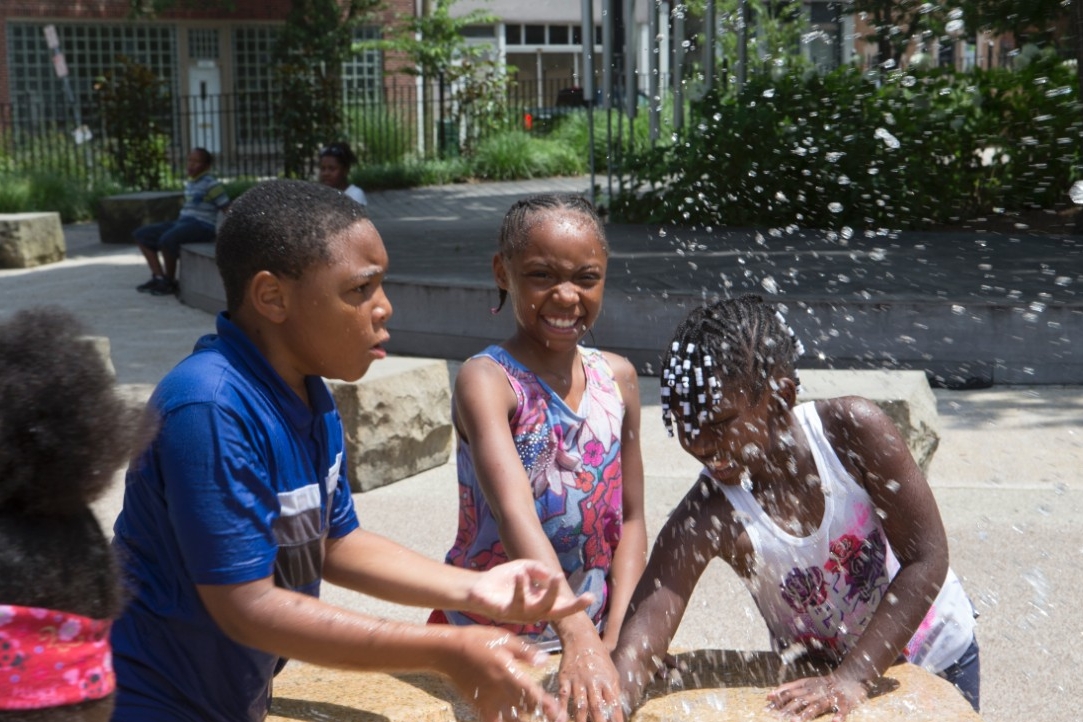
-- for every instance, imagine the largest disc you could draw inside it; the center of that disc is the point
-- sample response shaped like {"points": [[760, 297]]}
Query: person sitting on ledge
{"points": [[204, 197]]}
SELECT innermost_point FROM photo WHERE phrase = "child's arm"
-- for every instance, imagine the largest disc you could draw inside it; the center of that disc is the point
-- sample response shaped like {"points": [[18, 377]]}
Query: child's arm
{"points": [[296, 626], [699, 529], [871, 447], [631, 554], [484, 403], [520, 591]]}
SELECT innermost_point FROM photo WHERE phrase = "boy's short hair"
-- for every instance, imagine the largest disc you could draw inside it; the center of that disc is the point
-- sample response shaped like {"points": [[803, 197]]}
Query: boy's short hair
{"points": [[281, 226], [208, 157]]}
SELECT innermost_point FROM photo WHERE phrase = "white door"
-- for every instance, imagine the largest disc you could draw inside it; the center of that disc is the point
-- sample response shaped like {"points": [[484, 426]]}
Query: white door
{"points": [[205, 106]]}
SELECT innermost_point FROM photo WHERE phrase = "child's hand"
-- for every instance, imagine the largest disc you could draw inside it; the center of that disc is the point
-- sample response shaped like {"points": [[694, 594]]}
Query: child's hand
{"points": [[588, 678], [486, 673], [524, 591], [811, 697]]}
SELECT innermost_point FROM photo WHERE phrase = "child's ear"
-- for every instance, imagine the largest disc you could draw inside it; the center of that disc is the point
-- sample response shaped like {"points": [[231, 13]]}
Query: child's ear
{"points": [[267, 295], [786, 392], [500, 272]]}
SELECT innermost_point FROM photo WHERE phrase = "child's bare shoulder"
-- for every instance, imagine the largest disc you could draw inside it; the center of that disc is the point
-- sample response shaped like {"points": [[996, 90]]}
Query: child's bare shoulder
{"points": [[621, 366], [849, 414]]}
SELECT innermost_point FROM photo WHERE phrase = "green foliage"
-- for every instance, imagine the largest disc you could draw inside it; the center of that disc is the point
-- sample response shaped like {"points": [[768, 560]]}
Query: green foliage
{"points": [[844, 150], [135, 110], [515, 154], [411, 174], [435, 42], [40, 191], [439, 52], [316, 39], [380, 133]]}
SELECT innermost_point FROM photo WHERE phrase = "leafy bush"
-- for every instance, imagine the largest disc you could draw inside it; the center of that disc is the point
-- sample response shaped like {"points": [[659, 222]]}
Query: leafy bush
{"points": [[515, 154], [905, 150], [380, 133], [72, 198], [135, 109]]}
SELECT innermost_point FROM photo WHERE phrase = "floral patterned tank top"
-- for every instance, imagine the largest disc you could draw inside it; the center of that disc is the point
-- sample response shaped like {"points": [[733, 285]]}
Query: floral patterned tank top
{"points": [[572, 459]]}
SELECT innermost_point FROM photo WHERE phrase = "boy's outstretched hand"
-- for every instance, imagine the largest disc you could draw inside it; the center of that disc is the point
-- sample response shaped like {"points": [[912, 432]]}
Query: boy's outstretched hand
{"points": [[811, 697], [524, 591], [486, 673]]}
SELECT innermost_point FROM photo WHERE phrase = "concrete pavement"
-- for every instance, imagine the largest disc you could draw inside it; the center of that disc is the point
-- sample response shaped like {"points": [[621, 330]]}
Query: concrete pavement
{"points": [[1006, 475]]}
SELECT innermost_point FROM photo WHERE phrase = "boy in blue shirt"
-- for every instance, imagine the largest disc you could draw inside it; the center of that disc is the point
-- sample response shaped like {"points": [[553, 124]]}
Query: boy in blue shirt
{"points": [[204, 197], [240, 506]]}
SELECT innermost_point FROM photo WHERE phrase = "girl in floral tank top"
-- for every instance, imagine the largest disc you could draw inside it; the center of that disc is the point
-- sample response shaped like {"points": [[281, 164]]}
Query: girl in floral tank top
{"points": [[548, 454]]}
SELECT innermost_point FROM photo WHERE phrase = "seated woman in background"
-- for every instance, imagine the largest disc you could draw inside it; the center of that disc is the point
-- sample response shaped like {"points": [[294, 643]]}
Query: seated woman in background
{"points": [[335, 163]]}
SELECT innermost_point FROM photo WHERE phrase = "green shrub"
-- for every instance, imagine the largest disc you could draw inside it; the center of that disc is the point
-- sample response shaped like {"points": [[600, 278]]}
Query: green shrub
{"points": [[905, 150], [410, 173], [40, 191], [380, 133], [516, 154]]}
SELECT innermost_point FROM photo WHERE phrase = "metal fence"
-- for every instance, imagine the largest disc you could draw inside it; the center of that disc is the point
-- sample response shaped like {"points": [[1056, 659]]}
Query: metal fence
{"points": [[386, 126]]}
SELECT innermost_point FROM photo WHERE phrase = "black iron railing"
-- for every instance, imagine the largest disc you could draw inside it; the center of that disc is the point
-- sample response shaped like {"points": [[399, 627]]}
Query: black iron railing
{"points": [[386, 125]]}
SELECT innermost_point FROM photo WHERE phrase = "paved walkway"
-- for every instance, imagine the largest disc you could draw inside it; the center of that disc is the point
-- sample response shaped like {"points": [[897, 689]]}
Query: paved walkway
{"points": [[1006, 475]]}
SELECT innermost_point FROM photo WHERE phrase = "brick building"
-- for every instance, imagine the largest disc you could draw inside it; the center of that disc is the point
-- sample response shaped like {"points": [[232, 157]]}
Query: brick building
{"points": [[208, 58]]}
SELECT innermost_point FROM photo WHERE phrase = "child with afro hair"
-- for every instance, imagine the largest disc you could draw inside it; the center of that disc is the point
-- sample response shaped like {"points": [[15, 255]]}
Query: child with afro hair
{"points": [[64, 432]]}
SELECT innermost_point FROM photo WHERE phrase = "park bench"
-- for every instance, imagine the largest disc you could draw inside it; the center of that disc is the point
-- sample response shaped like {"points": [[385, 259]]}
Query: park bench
{"points": [[119, 215]]}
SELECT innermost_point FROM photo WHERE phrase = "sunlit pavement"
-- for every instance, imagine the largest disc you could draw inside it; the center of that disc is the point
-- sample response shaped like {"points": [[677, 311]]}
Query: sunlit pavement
{"points": [[1006, 474]]}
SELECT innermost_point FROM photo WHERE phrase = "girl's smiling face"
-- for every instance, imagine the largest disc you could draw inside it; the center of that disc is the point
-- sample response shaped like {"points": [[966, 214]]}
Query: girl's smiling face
{"points": [[556, 280]]}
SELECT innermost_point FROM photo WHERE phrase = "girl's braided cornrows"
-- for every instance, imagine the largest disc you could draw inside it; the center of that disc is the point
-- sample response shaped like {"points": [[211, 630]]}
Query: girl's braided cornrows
{"points": [[745, 340], [526, 212]]}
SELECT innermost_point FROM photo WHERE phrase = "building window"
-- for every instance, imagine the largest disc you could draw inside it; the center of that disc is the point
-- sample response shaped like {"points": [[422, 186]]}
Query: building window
{"points": [[253, 51], [363, 72], [90, 51], [203, 44], [823, 44]]}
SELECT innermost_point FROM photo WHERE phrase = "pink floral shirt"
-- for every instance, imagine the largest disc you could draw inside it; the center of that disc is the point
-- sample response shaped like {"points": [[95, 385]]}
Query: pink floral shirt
{"points": [[572, 459]]}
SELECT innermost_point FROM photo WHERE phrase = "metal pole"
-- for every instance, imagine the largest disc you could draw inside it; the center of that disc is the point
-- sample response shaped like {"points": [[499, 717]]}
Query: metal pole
{"points": [[631, 88], [587, 36], [742, 44], [607, 86], [709, 33], [678, 67], [652, 69]]}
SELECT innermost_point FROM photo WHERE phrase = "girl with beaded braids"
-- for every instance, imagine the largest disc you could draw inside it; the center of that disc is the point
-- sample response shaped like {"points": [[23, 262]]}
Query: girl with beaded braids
{"points": [[548, 452], [818, 507]]}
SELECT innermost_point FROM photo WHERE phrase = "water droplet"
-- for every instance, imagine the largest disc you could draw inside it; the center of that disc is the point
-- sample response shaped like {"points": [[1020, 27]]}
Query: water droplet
{"points": [[1076, 193], [834, 207]]}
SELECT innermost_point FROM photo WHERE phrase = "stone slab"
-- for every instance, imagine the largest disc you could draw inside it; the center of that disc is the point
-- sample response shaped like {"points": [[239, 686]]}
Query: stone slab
{"points": [[397, 420], [718, 686], [121, 214], [31, 239], [200, 285], [905, 396]]}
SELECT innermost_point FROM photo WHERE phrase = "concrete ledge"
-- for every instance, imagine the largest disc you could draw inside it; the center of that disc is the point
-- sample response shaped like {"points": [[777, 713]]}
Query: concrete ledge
{"points": [[200, 285], [904, 396], [119, 215], [397, 420], [31, 239], [718, 686]]}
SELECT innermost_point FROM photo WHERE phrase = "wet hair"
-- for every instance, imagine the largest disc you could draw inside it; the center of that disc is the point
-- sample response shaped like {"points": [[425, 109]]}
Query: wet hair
{"points": [[527, 212], [208, 157], [744, 340], [281, 226], [64, 432], [341, 151]]}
